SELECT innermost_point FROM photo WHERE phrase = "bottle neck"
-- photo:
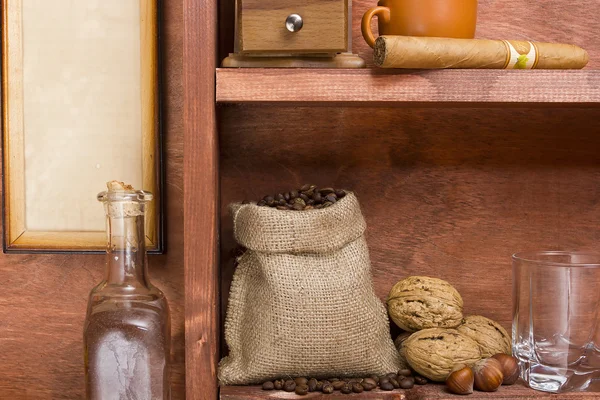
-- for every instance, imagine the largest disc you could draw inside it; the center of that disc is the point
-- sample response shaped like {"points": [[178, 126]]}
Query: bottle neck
{"points": [[126, 262]]}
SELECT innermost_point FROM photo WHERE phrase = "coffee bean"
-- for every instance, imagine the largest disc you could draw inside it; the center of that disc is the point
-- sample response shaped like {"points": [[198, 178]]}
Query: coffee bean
{"points": [[357, 388], [340, 193], [419, 380], [286, 196], [407, 383], [327, 204], [327, 389], [317, 197], [368, 386], [355, 380], [383, 379], [268, 385], [392, 375], [298, 207], [347, 388], [386, 386], [326, 191], [289, 385], [305, 188], [293, 194], [395, 383], [370, 381], [319, 206], [278, 384], [279, 196], [303, 197], [311, 190], [404, 372], [312, 385], [319, 385], [301, 390], [330, 198], [375, 378], [337, 385], [261, 203], [282, 202], [301, 381], [326, 382]]}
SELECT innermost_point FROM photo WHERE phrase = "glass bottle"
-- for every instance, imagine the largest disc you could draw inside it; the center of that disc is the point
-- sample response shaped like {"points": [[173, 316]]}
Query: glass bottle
{"points": [[127, 328]]}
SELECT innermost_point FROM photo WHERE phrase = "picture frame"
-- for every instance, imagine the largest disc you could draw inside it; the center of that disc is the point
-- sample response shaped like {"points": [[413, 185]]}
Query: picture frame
{"points": [[80, 107]]}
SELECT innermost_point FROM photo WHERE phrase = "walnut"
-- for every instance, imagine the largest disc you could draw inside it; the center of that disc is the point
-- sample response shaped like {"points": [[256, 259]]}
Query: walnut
{"points": [[434, 352], [400, 339], [490, 335], [420, 302]]}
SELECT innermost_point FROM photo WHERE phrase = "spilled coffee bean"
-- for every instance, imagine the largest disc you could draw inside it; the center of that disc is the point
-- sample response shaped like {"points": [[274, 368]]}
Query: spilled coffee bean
{"points": [[301, 390], [268, 386], [308, 197], [403, 380]]}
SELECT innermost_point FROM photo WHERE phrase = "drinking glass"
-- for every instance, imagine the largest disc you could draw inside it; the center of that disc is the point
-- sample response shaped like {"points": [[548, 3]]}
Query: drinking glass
{"points": [[556, 336]]}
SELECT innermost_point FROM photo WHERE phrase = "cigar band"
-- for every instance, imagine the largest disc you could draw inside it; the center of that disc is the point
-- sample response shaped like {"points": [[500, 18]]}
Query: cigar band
{"points": [[515, 60]]}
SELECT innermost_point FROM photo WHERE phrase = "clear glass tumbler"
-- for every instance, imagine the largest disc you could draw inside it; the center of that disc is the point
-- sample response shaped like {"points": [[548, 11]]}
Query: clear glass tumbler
{"points": [[556, 305]]}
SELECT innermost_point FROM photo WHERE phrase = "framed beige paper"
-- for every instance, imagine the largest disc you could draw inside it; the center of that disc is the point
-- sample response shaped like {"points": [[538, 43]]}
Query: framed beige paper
{"points": [[80, 108]]}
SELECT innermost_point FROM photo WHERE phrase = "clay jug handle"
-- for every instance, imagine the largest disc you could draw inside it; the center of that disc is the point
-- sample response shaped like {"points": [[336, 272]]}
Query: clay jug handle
{"points": [[383, 13]]}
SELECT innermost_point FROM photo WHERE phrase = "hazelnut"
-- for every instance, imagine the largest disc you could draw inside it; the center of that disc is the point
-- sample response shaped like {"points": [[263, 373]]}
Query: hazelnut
{"points": [[460, 380], [510, 368], [488, 375]]}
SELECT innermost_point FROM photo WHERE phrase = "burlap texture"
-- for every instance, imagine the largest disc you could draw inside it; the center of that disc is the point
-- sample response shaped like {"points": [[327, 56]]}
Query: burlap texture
{"points": [[302, 301]]}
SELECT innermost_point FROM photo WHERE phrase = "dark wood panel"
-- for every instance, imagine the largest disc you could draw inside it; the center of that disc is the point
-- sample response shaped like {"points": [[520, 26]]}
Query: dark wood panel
{"points": [[43, 297], [427, 392], [200, 199], [550, 21], [446, 192]]}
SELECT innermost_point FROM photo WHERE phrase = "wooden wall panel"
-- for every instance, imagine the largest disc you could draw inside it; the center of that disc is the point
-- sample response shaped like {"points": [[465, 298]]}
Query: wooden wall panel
{"points": [[446, 192], [548, 20], [43, 297]]}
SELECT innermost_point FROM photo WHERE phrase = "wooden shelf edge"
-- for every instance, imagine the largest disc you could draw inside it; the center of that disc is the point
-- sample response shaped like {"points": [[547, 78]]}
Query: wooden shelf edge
{"points": [[430, 391], [280, 85]]}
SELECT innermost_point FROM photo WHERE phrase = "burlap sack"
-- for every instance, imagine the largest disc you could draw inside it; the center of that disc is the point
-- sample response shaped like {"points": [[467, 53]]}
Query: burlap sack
{"points": [[302, 301]]}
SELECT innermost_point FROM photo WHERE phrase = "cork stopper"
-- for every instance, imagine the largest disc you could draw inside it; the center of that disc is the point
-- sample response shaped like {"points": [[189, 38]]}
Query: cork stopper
{"points": [[121, 200]]}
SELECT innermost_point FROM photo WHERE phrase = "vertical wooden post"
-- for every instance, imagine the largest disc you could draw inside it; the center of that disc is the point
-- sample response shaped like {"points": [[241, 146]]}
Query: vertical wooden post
{"points": [[200, 199]]}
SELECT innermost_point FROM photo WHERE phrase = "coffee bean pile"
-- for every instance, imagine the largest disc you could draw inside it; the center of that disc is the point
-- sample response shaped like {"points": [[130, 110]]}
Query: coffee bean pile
{"points": [[404, 379], [308, 197]]}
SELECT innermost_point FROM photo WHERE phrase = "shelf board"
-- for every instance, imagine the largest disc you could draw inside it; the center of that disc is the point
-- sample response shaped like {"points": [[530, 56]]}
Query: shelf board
{"points": [[273, 85], [430, 391]]}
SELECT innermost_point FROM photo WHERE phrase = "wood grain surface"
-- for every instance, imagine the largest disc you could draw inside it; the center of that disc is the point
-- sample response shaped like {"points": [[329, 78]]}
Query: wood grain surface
{"points": [[262, 26], [427, 392], [396, 86], [446, 192], [200, 199], [43, 298], [550, 21]]}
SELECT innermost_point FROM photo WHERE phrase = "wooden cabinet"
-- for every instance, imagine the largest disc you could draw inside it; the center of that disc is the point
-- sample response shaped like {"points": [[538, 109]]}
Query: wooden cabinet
{"points": [[456, 170]]}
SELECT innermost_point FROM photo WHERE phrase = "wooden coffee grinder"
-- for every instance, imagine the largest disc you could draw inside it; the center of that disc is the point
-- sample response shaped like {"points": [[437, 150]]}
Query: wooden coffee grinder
{"points": [[294, 34]]}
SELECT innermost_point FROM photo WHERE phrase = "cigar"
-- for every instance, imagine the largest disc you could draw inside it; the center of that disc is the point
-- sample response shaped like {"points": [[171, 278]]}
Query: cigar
{"points": [[431, 52]]}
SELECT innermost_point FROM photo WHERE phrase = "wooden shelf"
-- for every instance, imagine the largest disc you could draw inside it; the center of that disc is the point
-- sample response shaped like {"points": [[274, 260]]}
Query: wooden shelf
{"points": [[261, 85], [430, 391]]}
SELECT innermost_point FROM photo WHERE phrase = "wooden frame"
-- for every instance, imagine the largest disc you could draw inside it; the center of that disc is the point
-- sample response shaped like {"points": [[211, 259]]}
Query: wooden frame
{"points": [[19, 235]]}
